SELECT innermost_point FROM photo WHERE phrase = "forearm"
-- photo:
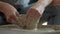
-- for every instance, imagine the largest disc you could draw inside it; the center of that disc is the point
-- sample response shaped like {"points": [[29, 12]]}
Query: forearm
{"points": [[41, 4], [5, 7]]}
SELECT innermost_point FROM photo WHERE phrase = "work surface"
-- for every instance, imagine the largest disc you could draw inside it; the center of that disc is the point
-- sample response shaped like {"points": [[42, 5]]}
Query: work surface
{"points": [[13, 29], [18, 31]]}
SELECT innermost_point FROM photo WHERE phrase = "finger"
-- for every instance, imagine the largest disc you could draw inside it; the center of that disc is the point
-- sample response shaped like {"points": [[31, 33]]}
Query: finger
{"points": [[14, 17], [8, 19], [17, 14]]}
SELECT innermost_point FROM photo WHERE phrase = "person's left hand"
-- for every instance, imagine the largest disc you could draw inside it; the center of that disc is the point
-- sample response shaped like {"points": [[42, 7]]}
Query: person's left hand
{"points": [[9, 11], [11, 15]]}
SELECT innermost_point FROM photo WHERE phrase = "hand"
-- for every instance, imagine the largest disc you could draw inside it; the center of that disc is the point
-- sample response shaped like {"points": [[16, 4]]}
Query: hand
{"points": [[31, 19], [33, 12], [11, 15], [9, 11]]}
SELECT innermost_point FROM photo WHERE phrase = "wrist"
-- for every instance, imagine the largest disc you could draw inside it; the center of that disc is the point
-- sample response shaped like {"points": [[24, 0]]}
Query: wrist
{"points": [[40, 9]]}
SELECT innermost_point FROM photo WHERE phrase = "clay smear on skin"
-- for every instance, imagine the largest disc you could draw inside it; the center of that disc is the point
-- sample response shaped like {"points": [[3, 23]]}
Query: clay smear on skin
{"points": [[32, 18]]}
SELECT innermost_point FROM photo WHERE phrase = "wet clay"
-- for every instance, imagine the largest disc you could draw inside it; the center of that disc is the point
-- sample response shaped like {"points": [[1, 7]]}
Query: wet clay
{"points": [[29, 21]]}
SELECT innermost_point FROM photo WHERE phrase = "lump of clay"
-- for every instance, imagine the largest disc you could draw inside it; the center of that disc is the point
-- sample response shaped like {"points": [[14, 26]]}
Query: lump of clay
{"points": [[19, 22], [29, 21]]}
